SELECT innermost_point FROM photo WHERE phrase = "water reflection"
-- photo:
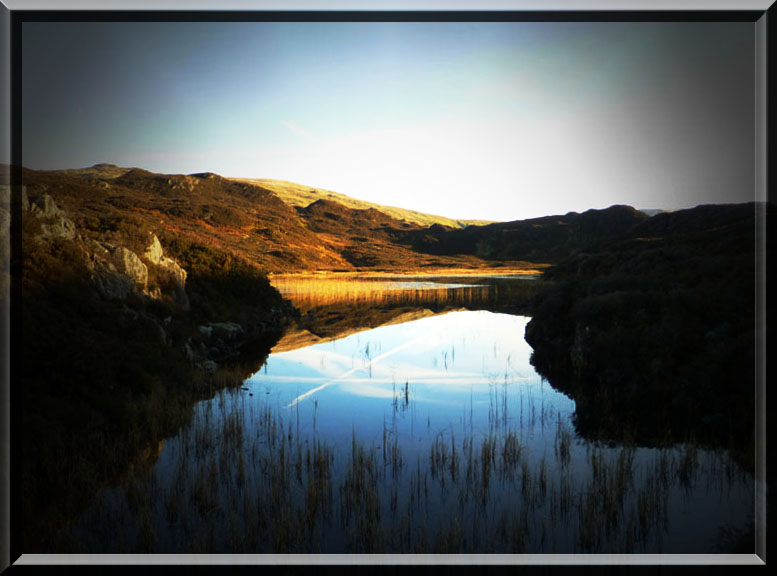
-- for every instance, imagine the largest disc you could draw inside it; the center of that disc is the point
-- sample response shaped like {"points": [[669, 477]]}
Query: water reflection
{"points": [[434, 435]]}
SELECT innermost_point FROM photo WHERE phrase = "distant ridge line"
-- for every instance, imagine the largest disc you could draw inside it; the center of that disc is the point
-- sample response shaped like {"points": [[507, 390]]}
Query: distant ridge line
{"points": [[295, 195], [303, 196]]}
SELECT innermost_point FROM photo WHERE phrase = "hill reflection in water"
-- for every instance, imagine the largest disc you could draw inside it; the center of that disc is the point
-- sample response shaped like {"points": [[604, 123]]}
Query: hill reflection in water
{"points": [[430, 435]]}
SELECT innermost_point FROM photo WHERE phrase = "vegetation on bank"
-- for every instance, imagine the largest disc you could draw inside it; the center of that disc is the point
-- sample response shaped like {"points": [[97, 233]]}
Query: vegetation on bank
{"points": [[654, 335], [107, 373], [545, 239]]}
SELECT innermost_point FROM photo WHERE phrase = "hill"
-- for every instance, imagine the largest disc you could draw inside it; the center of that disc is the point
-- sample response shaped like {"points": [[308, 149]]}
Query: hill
{"points": [[546, 239], [297, 195], [241, 218], [302, 196], [653, 333]]}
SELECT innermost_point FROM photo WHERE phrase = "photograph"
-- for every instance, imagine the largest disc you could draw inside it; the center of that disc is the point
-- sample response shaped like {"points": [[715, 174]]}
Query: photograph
{"points": [[396, 287]]}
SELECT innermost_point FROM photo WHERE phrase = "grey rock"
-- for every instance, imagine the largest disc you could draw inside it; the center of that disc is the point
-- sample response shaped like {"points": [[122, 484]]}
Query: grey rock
{"points": [[117, 271], [226, 330], [61, 228], [113, 285], [155, 254], [128, 264], [45, 207]]}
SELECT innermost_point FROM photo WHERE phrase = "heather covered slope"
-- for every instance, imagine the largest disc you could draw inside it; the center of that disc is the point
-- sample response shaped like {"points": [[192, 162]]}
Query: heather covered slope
{"points": [[329, 233], [241, 218], [203, 208]]}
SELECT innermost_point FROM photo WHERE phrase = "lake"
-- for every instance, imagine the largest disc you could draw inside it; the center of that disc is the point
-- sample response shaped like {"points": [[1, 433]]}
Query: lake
{"points": [[408, 418]]}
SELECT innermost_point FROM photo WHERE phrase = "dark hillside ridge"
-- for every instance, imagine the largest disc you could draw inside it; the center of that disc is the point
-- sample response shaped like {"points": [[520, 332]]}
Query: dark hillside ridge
{"points": [[546, 239], [654, 334], [692, 220]]}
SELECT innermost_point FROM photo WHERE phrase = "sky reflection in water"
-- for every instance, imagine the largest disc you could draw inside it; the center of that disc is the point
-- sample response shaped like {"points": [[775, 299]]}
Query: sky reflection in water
{"points": [[462, 379], [455, 366]]}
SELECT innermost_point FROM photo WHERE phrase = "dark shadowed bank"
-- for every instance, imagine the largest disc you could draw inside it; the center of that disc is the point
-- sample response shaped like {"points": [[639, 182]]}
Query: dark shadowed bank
{"points": [[120, 338], [654, 334]]}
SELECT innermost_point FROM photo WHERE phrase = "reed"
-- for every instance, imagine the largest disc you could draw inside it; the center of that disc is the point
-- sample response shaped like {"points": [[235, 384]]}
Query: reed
{"points": [[272, 484]]}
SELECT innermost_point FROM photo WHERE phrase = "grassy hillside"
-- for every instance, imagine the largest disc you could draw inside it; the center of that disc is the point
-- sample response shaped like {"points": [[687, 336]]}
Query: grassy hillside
{"points": [[302, 196], [298, 195], [244, 219]]}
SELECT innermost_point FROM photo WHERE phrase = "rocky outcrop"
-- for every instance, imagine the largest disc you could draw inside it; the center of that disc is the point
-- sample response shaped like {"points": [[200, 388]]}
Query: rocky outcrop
{"points": [[60, 228], [117, 271], [43, 207], [155, 254], [54, 224]]}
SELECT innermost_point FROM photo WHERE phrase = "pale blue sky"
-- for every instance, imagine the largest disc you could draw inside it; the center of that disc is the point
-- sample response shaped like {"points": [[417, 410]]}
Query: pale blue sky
{"points": [[469, 120]]}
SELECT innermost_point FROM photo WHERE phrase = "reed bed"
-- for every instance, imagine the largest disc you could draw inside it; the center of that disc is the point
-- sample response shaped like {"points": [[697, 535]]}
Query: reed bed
{"points": [[249, 477], [309, 293]]}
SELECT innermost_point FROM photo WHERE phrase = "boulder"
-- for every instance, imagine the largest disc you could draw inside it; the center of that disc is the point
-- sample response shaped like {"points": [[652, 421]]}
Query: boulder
{"points": [[128, 264], [44, 207], [116, 270], [210, 366], [155, 254], [61, 228]]}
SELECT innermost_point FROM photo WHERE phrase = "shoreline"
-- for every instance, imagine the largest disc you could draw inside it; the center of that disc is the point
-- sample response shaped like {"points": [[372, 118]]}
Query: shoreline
{"points": [[532, 270]]}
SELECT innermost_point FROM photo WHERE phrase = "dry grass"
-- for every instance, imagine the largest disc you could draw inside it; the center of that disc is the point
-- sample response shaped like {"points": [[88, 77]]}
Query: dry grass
{"points": [[300, 195], [309, 291]]}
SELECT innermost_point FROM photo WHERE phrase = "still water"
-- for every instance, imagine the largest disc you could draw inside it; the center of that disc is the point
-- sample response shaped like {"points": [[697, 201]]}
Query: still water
{"points": [[430, 435]]}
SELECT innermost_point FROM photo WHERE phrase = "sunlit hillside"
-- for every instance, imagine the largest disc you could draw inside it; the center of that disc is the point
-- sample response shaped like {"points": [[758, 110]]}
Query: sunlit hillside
{"points": [[299, 195], [302, 196], [241, 218]]}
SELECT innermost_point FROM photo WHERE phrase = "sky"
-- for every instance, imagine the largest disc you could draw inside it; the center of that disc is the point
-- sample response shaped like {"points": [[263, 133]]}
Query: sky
{"points": [[490, 120]]}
